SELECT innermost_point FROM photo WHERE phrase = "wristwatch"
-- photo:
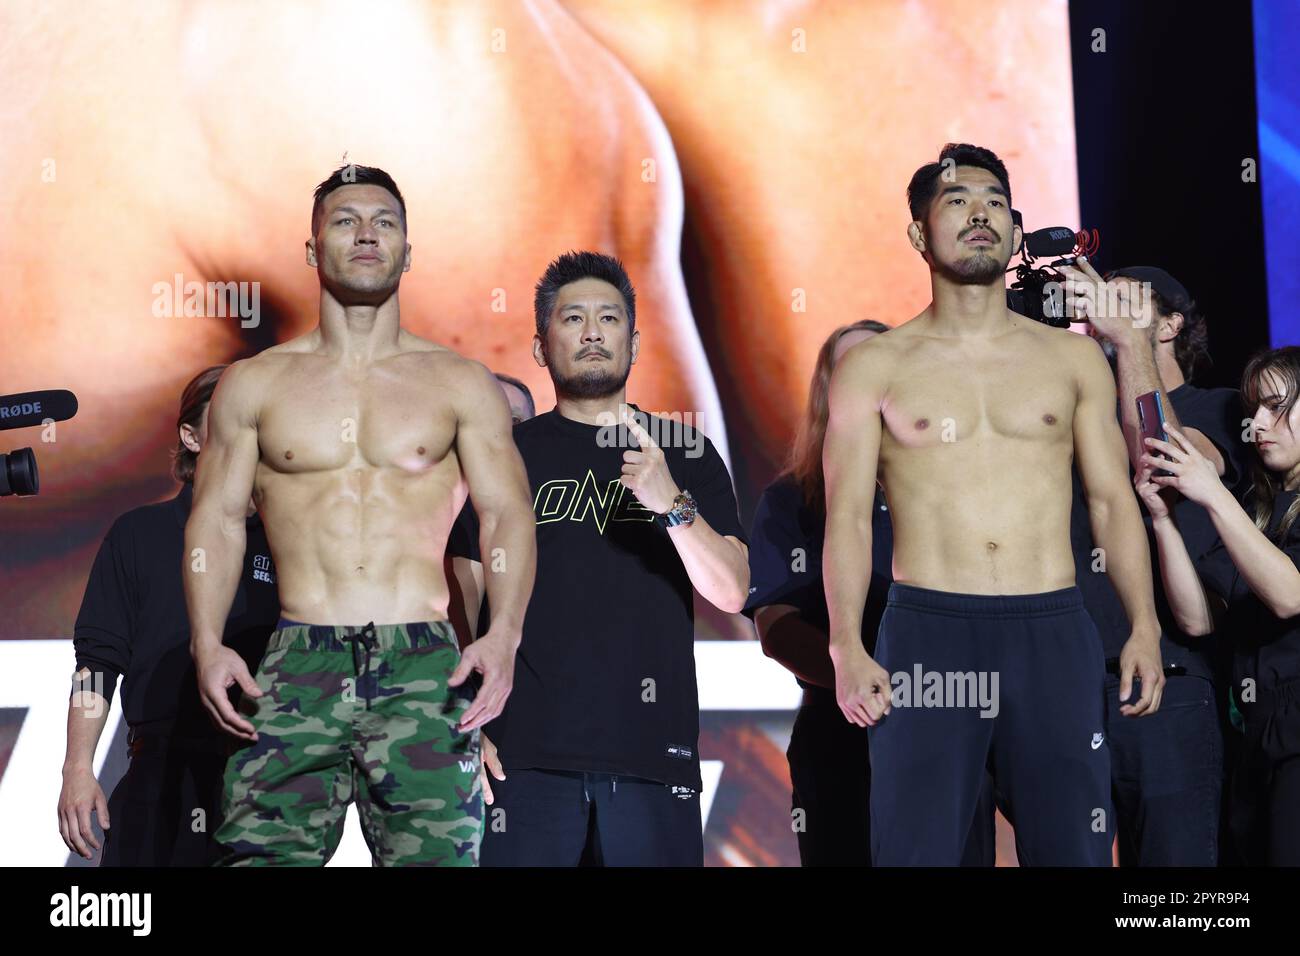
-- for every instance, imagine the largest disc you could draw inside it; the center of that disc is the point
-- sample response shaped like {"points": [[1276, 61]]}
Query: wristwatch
{"points": [[681, 513]]}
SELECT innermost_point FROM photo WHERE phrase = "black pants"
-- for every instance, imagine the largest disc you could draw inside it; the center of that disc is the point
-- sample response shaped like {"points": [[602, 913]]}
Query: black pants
{"points": [[564, 818], [1167, 775], [1265, 801], [830, 776], [1042, 738], [164, 810]]}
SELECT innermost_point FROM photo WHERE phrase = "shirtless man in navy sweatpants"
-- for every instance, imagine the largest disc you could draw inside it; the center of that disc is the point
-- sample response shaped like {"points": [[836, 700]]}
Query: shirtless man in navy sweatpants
{"points": [[986, 657]]}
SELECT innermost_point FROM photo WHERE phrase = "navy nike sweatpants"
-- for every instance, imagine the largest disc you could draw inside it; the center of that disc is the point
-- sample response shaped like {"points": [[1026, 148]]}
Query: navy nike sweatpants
{"points": [[1011, 683]]}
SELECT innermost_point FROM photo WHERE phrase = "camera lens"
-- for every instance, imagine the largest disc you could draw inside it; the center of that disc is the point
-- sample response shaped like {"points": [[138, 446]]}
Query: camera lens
{"points": [[18, 475]]}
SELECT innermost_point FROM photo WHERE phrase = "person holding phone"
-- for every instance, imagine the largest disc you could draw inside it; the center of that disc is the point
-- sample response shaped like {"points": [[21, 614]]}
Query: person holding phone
{"points": [[1167, 772], [1248, 588]]}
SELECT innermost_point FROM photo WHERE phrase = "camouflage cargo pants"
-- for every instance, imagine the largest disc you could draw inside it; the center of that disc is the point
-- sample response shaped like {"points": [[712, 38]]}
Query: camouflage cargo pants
{"points": [[355, 714]]}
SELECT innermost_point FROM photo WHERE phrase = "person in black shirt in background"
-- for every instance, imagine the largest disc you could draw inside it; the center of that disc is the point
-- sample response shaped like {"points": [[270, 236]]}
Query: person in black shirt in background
{"points": [[1167, 770], [1251, 580], [595, 757], [830, 771], [133, 625]]}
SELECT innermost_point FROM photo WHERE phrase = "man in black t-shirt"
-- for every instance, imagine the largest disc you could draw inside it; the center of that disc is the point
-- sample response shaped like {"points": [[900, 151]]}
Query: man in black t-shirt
{"points": [[595, 757], [1167, 769], [133, 626]]}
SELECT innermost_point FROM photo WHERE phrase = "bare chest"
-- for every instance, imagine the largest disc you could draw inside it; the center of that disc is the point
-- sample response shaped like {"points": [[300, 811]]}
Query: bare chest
{"points": [[941, 399], [326, 422]]}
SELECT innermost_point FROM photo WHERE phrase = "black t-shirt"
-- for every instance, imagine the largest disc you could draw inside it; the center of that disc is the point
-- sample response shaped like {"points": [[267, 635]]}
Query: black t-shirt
{"points": [[1266, 648], [785, 559], [605, 674], [1216, 413], [133, 623]]}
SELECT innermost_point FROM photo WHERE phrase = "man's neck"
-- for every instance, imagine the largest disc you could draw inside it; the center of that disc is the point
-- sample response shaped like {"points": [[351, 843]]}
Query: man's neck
{"points": [[591, 411], [966, 311], [359, 332], [1171, 374]]}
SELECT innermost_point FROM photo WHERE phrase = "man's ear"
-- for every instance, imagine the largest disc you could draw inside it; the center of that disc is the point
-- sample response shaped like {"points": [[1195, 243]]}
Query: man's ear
{"points": [[188, 438], [636, 344], [406, 266], [916, 236], [1017, 237], [539, 351], [1174, 322], [311, 252]]}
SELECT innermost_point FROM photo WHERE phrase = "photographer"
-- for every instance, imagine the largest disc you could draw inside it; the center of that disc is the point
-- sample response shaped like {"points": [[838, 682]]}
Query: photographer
{"points": [[1166, 771], [1249, 581], [133, 625]]}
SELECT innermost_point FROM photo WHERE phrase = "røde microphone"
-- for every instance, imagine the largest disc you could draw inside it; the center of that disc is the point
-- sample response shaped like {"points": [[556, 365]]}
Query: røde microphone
{"points": [[26, 409], [1052, 241]]}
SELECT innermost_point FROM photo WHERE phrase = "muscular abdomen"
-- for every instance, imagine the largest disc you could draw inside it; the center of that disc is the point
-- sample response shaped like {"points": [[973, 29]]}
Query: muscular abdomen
{"points": [[356, 545]]}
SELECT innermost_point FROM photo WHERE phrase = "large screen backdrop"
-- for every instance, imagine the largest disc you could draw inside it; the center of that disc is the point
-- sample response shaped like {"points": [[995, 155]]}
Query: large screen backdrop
{"points": [[747, 162]]}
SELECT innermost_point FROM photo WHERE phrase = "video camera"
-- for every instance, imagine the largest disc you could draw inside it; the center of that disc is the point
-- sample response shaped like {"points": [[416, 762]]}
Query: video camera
{"points": [[1037, 292]]}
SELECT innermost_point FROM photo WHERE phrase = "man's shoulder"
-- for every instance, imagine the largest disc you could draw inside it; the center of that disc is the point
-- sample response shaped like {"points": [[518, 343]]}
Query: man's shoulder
{"points": [[533, 426], [447, 364], [1075, 351], [874, 359], [1195, 397]]}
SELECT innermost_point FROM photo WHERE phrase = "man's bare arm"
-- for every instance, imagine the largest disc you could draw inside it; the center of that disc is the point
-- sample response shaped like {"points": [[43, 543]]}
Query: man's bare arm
{"points": [[1116, 520], [849, 459], [215, 539], [1138, 375], [498, 486]]}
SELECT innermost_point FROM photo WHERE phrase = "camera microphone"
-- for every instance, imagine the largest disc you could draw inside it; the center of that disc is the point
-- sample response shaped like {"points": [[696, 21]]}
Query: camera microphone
{"points": [[26, 409], [18, 473]]}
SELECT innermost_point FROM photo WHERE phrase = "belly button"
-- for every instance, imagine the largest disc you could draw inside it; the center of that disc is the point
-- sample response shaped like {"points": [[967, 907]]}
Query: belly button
{"points": [[992, 545]]}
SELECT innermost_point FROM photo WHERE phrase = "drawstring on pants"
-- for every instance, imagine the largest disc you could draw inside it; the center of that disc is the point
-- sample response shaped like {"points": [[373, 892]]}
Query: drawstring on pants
{"points": [[367, 639]]}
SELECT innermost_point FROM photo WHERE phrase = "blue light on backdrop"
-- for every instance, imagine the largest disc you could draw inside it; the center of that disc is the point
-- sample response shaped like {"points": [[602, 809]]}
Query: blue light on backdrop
{"points": [[1277, 36]]}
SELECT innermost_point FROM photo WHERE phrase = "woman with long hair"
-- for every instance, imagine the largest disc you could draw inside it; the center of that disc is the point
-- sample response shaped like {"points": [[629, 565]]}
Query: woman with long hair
{"points": [[1250, 581]]}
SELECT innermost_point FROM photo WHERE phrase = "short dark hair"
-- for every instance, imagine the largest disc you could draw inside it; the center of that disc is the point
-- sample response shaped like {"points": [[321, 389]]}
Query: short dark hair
{"points": [[925, 181], [353, 175], [194, 400], [573, 267], [511, 380]]}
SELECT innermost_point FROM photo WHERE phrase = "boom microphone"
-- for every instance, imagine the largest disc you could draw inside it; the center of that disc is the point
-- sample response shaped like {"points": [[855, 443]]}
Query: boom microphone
{"points": [[1052, 241], [26, 409]]}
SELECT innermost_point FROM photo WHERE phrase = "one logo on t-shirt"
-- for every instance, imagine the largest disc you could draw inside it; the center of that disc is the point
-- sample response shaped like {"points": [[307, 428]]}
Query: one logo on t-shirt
{"points": [[567, 498], [682, 793], [680, 751], [1096, 741], [263, 569]]}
